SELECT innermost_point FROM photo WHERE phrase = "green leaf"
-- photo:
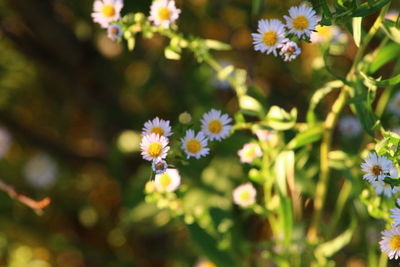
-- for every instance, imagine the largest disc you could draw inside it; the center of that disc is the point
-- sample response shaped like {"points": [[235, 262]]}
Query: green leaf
{"points": [[251, 106], [319, 95], [171, 54], [391, 30], [395, 80], [306, 137], [278, 119], [385, 54], [357, 30], [216, 45], [329, 248]]}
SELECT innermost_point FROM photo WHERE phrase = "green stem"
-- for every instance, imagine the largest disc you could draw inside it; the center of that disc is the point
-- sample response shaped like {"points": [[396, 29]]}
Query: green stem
{"points": [[329, 125]]}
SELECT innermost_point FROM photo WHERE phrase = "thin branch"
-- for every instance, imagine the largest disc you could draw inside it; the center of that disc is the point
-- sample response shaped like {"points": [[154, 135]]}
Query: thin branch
{"points": [[37, 206]]}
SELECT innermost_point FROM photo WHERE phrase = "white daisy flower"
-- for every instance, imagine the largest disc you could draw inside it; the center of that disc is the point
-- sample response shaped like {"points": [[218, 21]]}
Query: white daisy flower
{"points": [[154, 147], [250, 152], [383, 188], [163, 13], [5, 141], [215, 125], [106, 11], [395, 215], [41, 171], [195, 145], [157, 126], [159, 166], [350, 126], [376, 167], [244, 195], [270, 36], [302, 20], [324, 34], [114, 32], [390, 243], [394, 104], [289, 51], [168, 181]]}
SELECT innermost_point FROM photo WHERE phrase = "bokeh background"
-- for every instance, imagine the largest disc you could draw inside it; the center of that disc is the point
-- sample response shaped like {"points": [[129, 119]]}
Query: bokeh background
{"points": [[72, 105]]}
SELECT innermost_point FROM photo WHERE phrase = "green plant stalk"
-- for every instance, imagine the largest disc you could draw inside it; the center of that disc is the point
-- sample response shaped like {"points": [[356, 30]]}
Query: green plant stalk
{"points": [[329, 125], [385, 97]]}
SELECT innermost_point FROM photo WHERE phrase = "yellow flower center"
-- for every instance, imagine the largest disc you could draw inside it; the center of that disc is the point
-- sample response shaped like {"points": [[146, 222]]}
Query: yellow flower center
{"points": [[376, 170], [250, 153], [164, 13], [165, 180], [154, 149], [193, 146], [324, 31], [157, 130], [395, 242], [244, 196], [108, 11], [300, 23], [215, 126], [270, 38]]}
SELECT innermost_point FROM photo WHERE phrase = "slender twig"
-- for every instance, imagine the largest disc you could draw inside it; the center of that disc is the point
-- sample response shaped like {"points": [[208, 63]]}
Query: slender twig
{"points": [[38, 206]]}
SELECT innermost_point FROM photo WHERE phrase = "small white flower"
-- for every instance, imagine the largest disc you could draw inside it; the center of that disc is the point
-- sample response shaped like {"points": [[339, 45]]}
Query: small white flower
{"points": [[383, 188], [376, 167], [215, 125], [302, 20], [195, 145], [168, 181], [159, 166], [392, 15], [106, 11], [250, 152], [390, 243], [244, 195], [394, 104], [268, 136], [154, 147], [41, 171], [289, 51], [185, 117], [5, 141], [270, 36], [114, 32], [157, 126], [163, 13], [395, 215], [349, 126], [324, 34]]}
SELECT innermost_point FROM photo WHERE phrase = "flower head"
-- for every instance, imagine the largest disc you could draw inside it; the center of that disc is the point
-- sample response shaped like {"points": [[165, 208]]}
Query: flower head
{"points": [[195, 145], [390, 243], [159, 166], [250, 152], [215, 125], [185, 118], [157, 126], [301, 20], [106, 11], [154, 147], [289, 51], [114, 32], [270, 36], [349, 126], [394, 104], [168, 181], [376, 167], [244, 195], [383, 188], [324, 34], [163, 13]]}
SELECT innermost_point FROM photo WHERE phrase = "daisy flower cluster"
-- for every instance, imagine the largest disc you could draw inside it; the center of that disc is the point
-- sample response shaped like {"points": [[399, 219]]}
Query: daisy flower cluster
{"points": [[376, 169], [107, 13], [155, 144], [274, 35]]}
